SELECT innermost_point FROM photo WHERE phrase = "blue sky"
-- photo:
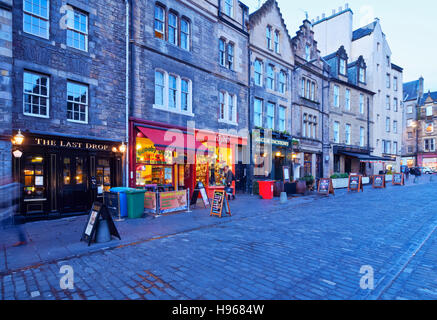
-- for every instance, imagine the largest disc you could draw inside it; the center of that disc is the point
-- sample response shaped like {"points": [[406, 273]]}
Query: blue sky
{"points": [[410, 27]]}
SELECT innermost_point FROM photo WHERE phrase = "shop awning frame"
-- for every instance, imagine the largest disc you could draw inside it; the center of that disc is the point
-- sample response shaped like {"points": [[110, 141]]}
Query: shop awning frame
{"points": [[365, 157]]}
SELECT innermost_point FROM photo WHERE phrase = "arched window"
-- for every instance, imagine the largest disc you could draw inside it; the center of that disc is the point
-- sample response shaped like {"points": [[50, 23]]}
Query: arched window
{"points": [[173, 28], [159, 22], [185, 34]]}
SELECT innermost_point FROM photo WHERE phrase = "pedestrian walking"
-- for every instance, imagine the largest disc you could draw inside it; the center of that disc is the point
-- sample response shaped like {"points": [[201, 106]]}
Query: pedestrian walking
{"points": [[229, 178]]}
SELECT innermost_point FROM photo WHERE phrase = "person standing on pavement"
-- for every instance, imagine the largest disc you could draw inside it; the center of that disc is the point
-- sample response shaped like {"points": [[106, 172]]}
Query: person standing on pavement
{"points": [[229, 178]]}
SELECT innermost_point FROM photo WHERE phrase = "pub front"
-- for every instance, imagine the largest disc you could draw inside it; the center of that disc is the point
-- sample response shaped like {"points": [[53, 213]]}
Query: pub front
{"points": [[63, 176]]}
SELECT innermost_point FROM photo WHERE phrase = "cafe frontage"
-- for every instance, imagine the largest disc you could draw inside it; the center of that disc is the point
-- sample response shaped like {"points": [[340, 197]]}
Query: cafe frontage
{"points": [[166, 158], [63, 176]]}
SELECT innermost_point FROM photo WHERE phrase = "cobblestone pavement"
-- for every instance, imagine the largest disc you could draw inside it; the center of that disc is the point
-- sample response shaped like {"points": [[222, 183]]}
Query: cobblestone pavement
{"points": [[314, 250]]}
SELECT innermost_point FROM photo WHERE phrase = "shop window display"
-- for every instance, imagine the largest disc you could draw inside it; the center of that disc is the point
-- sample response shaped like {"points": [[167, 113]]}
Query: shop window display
{"points": [[34, 184]]}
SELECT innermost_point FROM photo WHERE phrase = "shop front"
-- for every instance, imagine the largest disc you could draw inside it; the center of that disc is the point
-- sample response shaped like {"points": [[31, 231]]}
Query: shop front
{"points": [[169, 159], [428, 160], [65, 175]]}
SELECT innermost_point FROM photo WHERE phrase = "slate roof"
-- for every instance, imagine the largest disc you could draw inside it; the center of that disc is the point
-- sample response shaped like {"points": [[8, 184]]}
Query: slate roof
{"points": [[411, 90], [364, 31], [426, 95]]}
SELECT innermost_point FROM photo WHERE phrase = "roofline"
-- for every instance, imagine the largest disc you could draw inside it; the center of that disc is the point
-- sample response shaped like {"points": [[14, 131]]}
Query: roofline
{"points": [[396, 67], [332, 16]]}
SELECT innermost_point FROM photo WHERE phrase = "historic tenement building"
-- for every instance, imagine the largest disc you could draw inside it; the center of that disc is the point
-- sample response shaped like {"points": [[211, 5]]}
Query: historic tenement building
{"points": [[427, 135], [5, 89], [381, 76], [271, 64], [310, 107], [69, 101], [189, 74], [350, 115], [413, 92]]}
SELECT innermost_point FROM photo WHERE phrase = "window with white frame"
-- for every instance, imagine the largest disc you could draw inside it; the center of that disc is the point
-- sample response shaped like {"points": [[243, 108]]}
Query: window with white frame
{"points": [[269, 37], [336, 96], [222, 105], [348, 100], [281, 118], [232, 110], [309, 126], [361, 103], [159, 22], [258, 70], [77, 102], [410, 109], [270, 83], [348, 134], [362, 138], [173, 93], [229, 8], [185, 34], [36, 17], [222, 52], [173, 28], [313, 91], [409, 122], [308, 90], [302, 84], [387, 103], [314, 134], [282, 82], [395, 147], [395, 104], [258, 113], [304, 125], [35, 94], [230, 60], [342, 68], [77, 29], [270, 116], [362, 75], [388, 77], [429, 145], [387, 124], [395, 126], [429, 111], [337, 132], [277, 37], [395, 83]]}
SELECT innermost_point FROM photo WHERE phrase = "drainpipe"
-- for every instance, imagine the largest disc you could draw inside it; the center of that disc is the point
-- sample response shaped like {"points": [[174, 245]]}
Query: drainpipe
{"points": [[127, 153], [249, 110]]}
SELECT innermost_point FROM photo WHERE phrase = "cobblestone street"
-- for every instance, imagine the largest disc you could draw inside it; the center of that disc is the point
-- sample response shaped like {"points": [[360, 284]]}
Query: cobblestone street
{"points": [[301, 250]]}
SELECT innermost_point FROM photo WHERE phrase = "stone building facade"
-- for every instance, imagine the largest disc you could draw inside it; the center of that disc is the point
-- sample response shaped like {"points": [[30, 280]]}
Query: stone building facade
{"points": [[427, 133], [310, 106], [190, 69], [271, 65], [5, 89], [382, 77], [350, 115], [69, 101], [413, 92]]}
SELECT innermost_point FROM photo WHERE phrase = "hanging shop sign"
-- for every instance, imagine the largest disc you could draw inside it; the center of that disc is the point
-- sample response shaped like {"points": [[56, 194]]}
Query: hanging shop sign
{"points": [[379, 182], [398, 179], [97, 213], [355, 183], [220, 204], [173, 201], [275, 142], [325, 187]]}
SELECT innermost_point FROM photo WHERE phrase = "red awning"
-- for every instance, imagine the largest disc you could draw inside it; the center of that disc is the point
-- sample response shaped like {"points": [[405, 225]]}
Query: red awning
{"points": [[173, 138]]}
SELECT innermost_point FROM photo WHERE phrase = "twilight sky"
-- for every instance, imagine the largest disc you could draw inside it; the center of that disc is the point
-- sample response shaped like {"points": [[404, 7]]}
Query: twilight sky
{"points": [[410, 27]]}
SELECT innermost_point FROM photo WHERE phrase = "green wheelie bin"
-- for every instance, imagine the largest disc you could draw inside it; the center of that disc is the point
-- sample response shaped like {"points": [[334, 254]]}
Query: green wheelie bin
{"points": [[135, 203]]}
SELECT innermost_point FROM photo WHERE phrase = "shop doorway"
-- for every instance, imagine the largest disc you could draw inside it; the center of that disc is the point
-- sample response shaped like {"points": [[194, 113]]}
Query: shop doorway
{"points": [[348, 165], [74, 189], [240, 177]]}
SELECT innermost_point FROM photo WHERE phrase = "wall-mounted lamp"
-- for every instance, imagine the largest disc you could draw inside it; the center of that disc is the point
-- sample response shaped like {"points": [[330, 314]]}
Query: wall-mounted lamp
{"points": [[18, 139], [122, 148]]}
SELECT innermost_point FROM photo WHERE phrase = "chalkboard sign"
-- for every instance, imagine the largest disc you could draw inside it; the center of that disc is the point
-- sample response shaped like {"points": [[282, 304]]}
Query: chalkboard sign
{"points": [[200, 189], [98, 212], [379, 181], [325, 187], [112, 201], [220, 204], [355, 183], [398, 179]]}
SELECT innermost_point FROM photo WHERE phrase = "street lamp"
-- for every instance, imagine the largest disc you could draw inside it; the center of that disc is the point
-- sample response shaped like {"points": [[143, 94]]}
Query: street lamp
{"points": [[18, 139]]}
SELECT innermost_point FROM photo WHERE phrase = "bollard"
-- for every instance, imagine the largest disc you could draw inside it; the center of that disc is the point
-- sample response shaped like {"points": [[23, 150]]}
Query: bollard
{"points": [[284, 197]]}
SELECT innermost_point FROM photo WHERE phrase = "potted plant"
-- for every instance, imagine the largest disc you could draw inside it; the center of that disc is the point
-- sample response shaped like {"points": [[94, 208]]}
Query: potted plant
{"points": [[309, 181], [340, 180]]}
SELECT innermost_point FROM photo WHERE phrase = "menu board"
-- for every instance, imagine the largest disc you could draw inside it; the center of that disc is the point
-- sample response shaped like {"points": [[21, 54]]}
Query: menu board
{"points": [[286, 171], [379, 182], [200, 189], [325, 187], [220, 203], [355, 183], [398, 179]]}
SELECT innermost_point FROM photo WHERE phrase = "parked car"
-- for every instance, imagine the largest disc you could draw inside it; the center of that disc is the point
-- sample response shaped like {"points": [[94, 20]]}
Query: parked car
{"points": [[425, 170]]}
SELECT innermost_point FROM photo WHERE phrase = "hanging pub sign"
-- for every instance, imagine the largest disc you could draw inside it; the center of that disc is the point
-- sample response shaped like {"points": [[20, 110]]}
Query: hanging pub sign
{"points": [[355, 183], [325, 187], [286, 172], [378, 182], [398, 179], [200, 190], [98, 212], [220, 204]]}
